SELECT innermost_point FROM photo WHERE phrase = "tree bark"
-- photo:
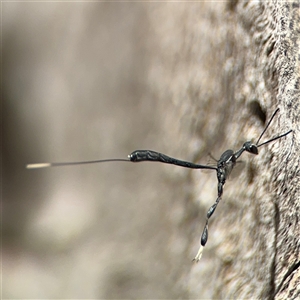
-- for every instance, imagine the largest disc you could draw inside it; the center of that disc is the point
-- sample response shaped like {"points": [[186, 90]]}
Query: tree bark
{"points": [[226, 68]]}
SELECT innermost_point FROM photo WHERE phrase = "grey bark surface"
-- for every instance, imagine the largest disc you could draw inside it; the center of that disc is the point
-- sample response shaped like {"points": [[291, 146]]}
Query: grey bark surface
{"points": [[233, 57], [99, 80]]}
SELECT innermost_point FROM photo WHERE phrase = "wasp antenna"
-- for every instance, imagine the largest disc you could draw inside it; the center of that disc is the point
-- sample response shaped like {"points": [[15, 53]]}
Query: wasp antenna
{"points": [[275, 112], [275, 138]]}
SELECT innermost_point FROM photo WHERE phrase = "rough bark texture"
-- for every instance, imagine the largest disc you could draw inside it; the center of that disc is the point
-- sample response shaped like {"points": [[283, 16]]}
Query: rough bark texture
{"points": [[94, 80]]}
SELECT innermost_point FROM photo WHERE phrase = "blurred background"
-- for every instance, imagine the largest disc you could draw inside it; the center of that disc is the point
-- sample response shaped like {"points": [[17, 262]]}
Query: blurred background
{"points": [[81, 82]]}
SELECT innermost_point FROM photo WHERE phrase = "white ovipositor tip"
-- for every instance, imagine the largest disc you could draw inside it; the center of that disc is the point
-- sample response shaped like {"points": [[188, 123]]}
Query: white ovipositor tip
{"points": [[38, 166], [199, 254]]}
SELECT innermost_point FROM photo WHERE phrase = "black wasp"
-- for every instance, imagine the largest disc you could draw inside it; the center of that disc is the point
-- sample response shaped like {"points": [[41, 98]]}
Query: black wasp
{"points": [[224, 167]]}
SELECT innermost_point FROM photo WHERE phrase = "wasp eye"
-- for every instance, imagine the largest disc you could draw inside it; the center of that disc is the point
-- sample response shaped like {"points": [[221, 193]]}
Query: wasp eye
{"points": [[253, 149]]}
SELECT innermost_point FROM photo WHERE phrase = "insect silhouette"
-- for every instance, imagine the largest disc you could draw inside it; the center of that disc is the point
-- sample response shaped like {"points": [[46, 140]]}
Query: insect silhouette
{"points": [[224, 167]]}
